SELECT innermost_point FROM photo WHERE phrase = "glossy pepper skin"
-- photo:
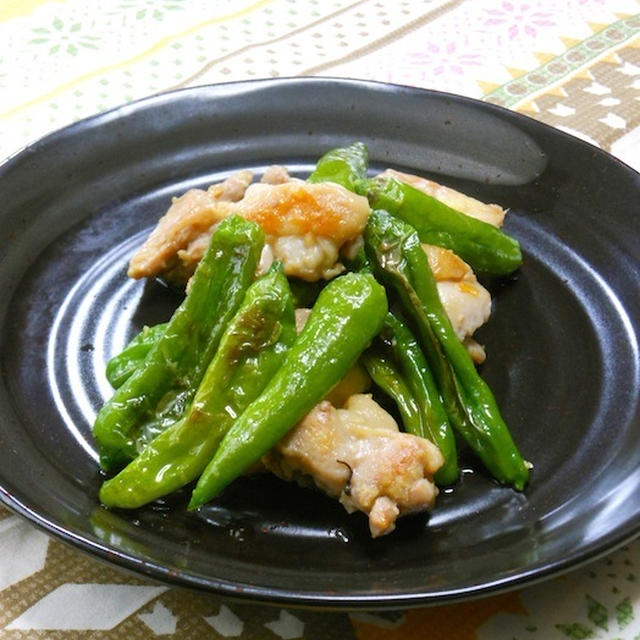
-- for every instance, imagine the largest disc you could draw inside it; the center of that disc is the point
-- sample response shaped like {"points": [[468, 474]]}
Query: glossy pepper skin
{"points": [[487, 249], [346, 166], [122, 366], [394, 248], [402, 346], [251, 350], [385, 374], [177, 361], [348, 313]]}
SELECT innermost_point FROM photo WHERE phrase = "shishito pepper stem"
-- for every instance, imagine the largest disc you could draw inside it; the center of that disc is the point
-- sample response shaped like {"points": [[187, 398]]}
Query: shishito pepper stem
{"points": [[394, 248], [346, 316], [346, 166], [251, 350], [486, 248], [178, 359]]}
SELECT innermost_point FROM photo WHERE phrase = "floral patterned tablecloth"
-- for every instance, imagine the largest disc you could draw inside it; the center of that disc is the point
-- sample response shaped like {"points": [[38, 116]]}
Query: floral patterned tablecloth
{"points": [[573, 64]]}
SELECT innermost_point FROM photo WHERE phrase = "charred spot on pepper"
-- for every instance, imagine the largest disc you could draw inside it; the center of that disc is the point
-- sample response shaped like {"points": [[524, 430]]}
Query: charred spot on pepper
{"points": [[253, 334]]}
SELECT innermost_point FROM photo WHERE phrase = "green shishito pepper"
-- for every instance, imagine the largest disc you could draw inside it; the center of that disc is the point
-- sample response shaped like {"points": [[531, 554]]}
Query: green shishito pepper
{"points": [[486, 248], [397, 344], [348, 313], [175, 364], [251, 350], [346, 166], [385, 374], [123, 365], [394, 248]]}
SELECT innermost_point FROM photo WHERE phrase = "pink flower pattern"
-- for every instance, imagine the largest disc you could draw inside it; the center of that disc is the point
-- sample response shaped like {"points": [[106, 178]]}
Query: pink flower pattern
{"points": [[518, 19], [444, 58], [464, 51]]}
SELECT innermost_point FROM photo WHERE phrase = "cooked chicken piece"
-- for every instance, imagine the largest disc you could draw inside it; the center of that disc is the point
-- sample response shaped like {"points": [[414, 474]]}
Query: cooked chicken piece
{"points": [[358, 455], [185, 227], [445, 264], [475, 349], [351, 249], [468, 305], [306, 225], [308, 257], [232, 189], [466, 301], [355, 381], [490, 213], [302, 315], [188, 259], [189, 216], [275, 174], [297, 208]]}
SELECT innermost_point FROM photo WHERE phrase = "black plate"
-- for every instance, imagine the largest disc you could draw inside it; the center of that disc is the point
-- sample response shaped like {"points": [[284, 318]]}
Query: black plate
{"points": [[562, 344]]}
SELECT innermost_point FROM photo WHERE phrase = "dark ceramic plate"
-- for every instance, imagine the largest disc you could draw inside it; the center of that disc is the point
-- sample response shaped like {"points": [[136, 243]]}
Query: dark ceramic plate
{"points": [[562, 343]]}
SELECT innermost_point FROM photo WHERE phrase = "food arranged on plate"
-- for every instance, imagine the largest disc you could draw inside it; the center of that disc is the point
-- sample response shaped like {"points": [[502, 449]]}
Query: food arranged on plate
{"points": [[307, 303]]}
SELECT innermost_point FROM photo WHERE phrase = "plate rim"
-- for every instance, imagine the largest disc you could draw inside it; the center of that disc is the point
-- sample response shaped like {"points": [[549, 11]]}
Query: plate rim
{"points": [[248, 593], [274, 595], [285, 80]]}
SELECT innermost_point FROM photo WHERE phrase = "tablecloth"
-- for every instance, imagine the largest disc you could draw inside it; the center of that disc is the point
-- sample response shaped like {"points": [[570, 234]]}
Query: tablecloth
{"points": [[574, 65]]}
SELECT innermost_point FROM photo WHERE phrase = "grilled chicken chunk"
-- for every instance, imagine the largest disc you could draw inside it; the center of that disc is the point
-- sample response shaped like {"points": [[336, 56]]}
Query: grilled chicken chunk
{"points": [[305, 227], [275, 174], [358, 455], [186, 229], [466, 301], [233, 188]]}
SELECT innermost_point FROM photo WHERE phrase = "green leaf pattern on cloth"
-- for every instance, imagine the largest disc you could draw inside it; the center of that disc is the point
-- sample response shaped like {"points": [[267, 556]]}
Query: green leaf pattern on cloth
{"points": [[64, 38], [597, 613], [624, 613]]}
